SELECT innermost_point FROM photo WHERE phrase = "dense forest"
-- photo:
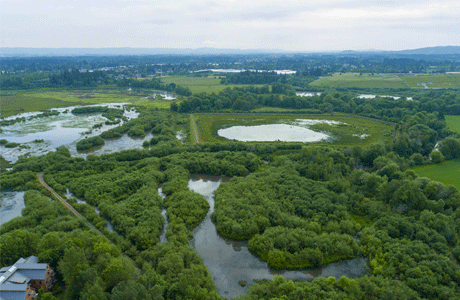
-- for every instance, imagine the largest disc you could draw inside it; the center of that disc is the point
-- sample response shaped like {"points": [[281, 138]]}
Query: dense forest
{"points": [[66, 78], [154, 83], [312, 64]]}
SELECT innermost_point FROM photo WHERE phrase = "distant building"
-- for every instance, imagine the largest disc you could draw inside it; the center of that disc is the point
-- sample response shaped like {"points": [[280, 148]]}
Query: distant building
{"points": [[23, 279]]}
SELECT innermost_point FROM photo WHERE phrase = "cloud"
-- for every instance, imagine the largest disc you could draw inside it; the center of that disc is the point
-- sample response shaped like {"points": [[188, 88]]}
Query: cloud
{"points": [[289, 24]]}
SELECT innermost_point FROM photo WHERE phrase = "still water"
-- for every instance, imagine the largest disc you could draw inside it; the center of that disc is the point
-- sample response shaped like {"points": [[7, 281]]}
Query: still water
{"points": [[370, 96], [11, 205], [163, 213], [41, 135], [308, 94], [230, 261], [271, 133]]}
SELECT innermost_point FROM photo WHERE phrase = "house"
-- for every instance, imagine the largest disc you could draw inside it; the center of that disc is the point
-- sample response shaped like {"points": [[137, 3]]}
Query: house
{"points": [[23, 279]]}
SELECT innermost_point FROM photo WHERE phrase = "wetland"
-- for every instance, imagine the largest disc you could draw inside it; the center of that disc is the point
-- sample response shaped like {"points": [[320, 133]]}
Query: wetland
{"points": [[230, 261]]}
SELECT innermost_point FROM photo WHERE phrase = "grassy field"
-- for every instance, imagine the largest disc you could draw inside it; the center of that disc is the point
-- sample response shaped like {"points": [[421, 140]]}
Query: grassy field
{"points": [[433, 81], [453, 122], [365, 81], [208, 84], [267, 109], [161, 104], [447, 172], [12, 103], [347, 133]]}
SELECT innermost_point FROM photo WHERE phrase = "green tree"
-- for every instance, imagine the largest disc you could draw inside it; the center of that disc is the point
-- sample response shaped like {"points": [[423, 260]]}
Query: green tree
{"points": [[450, 148], [436, 157]]}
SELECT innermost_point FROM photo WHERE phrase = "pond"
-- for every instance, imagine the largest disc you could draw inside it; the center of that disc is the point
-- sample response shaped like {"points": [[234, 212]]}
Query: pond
{"points": [[272, 133], [112, 145], [161, 95], [38, 136], [11, 205], [370, 96], [230, 261], [308, 94]]}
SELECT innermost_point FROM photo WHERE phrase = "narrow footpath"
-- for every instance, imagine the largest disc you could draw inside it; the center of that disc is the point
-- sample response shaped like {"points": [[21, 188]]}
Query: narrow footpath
{"points": [[76, 213], [195, 128]]}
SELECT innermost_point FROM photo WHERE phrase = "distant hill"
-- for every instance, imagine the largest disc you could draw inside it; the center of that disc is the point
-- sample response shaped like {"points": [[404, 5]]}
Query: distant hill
{"points": [[440, 50]]}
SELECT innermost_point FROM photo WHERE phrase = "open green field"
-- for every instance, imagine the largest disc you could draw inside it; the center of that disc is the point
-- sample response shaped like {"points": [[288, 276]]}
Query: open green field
{"points": [[433, 81], [267, 109], [453, 122], [161, 104], [447, 172], [365, 81], [12, 103], [208, 84], [351, 130]]}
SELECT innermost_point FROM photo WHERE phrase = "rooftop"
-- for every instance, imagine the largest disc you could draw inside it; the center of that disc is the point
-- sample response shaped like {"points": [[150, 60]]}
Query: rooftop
{"points": [[14, 279]]}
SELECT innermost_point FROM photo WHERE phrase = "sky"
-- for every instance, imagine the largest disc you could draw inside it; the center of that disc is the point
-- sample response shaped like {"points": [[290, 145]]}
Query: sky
{"points": [[300, 25]]}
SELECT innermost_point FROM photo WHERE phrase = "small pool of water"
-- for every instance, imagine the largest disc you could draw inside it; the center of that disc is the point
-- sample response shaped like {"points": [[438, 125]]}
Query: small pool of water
{"points": [[11, 205], [308, 94], [163, 96], [272, 133], [112, 145], [370, 96]]}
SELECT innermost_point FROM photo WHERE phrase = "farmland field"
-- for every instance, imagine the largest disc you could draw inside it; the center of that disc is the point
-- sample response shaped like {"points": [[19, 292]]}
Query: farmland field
{"points": [[208, 84], [349, 132], [433, 81], [365, 81], [447, 172], [453, 122]]}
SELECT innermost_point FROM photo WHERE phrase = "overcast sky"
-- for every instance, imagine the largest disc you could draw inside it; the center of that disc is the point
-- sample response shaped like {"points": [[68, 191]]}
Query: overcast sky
{"points": [[313, 25]]}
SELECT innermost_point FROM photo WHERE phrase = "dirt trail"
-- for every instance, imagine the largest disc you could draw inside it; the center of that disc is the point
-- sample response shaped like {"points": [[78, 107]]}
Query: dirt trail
{"points": [[195, 129]]}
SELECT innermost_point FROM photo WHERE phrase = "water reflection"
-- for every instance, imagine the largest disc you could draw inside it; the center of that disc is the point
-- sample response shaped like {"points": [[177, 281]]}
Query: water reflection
{"points": [[370, 96], [163, 213], [113, 145], [230, 261], [11, 205], [41, 135], [308, 94], [271, 133], [162, 95]]}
